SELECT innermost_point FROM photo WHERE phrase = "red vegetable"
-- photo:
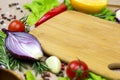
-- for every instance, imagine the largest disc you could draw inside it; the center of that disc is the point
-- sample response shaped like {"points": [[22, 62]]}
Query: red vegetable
{"points": [[16, 26], [77, 70], [23, 45], [51, 14]]}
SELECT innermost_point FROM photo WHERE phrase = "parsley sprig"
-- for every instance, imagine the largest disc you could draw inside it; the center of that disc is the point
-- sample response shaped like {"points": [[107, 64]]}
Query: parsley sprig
{"points": [[106, 14]]}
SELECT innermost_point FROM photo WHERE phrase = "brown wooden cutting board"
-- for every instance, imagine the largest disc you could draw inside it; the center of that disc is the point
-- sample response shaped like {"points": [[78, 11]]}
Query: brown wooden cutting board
{"points": [[74, 35]]}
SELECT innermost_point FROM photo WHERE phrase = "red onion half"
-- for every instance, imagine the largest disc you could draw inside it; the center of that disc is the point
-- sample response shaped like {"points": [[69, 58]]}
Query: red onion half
{"points": [[117, 15], [23, 45]]}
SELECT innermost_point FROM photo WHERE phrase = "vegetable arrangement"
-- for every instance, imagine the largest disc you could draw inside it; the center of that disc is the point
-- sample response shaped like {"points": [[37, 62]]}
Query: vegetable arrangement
{"points": [[44, 10], [11, 62], [52, 63], [23, 46], [38, 8]]}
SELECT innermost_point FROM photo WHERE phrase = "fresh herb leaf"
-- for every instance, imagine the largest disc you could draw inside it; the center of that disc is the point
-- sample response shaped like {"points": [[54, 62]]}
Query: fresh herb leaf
{"points": [[6, 59], [16, 63], [39, 67], [2, 38], [106, 14]]}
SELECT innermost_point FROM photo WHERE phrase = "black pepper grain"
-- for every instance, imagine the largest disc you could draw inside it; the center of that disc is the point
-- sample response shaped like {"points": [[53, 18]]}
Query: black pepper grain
{"points": [[2, 22], [17, 8], [13, 4], [8, 19], [10, 5], [21, 11], [2, 15], [17, 3]]}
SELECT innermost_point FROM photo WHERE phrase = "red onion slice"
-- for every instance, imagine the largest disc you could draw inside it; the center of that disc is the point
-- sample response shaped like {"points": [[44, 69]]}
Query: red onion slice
{"points": [[117, 16], [23, 45]]}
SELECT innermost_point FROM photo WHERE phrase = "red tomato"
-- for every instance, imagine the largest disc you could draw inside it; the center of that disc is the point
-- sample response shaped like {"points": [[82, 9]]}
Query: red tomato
{"points": [[77, 70], [16, 26]]}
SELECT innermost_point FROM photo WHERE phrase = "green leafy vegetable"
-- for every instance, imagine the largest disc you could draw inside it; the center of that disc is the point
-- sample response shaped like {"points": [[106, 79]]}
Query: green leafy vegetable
{"points": [[29, 75], [63, 78], [38, 8], [106, 14], [96, 77], [93, 76]]}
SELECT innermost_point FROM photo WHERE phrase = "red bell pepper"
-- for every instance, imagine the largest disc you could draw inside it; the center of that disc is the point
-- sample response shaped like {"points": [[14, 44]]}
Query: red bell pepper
{"points": [[51, 14]]}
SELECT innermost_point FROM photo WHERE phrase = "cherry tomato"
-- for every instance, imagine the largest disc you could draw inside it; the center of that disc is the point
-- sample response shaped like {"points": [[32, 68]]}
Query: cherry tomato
{"points": [[16, 26], [77, 70]]}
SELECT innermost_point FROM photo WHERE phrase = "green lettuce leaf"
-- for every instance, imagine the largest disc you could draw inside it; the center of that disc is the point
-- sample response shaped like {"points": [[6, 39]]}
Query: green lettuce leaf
{"points": [[38, 8]]}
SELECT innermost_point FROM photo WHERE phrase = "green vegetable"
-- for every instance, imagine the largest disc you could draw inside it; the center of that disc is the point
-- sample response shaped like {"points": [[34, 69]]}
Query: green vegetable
{"points": [[63, 78], [68, 4], [29, 75], [106, 14], [93, 76], [38, 8]]}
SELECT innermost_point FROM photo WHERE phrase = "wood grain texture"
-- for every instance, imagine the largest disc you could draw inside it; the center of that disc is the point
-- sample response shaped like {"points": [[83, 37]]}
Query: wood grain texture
{"points": [[114, 2], [74, 35]]}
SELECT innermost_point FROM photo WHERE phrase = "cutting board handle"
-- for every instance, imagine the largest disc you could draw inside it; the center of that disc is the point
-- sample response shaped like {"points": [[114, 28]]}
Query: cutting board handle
{"points": [[114, 66]]}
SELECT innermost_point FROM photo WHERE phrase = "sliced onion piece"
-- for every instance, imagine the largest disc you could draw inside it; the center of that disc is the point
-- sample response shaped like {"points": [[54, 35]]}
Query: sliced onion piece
{"points": [[23, 45], [54, 64], [117, 16]]}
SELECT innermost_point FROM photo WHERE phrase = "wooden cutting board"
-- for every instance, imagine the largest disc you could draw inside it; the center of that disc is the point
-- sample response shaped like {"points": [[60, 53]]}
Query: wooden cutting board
{"points": [[74, 35]]}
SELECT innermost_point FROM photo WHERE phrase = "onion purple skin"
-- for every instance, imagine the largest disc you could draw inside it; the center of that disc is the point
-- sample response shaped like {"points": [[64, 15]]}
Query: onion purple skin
{"points": [[23, 45], [117, 17]]}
